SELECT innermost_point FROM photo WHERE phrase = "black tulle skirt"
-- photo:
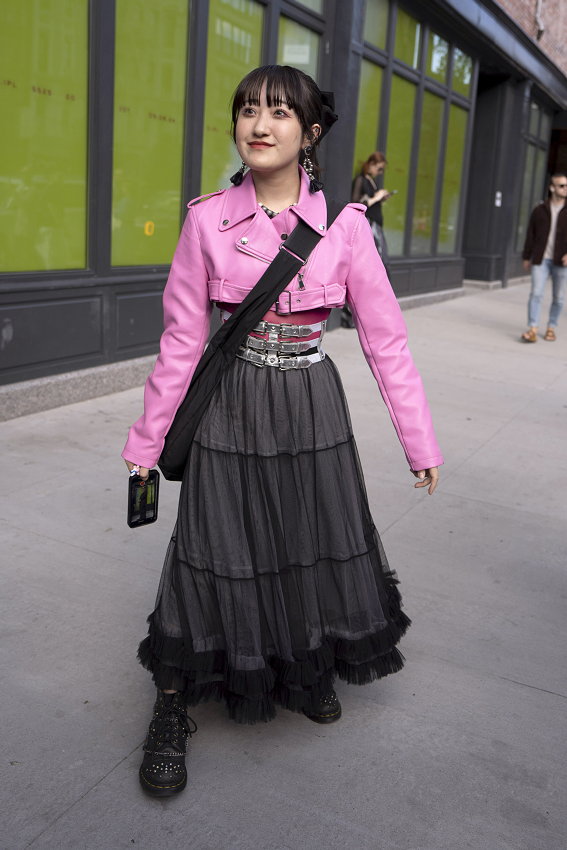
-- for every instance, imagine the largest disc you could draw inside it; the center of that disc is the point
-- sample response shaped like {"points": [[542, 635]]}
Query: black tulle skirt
{"points": [[275, 580]]}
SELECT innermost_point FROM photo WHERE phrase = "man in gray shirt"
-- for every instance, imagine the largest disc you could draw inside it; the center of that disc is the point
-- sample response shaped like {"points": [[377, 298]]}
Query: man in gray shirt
{"points": [[545, 253]]}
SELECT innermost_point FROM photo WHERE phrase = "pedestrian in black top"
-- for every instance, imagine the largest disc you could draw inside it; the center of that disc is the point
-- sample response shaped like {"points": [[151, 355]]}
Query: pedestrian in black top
{"points": [[365, 191]]}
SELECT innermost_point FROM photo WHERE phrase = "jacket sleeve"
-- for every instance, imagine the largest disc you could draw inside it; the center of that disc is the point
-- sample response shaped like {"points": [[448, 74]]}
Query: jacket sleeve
{"points": [[383, 337], [186, 319], [357, 190]]}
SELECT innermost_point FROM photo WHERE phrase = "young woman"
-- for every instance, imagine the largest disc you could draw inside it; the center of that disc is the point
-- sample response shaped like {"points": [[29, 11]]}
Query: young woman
{"points": [[365, 191], [275, 580]]}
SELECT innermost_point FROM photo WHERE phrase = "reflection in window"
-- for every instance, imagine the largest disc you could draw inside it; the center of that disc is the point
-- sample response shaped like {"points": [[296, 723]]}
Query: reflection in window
{"points": [[462, 72], [539, 177], [298, 46], [534, 119], [233, 48], [149, 117], [452, 174], [426, 179], [545, 127], [398, 154], [526, 197], [368, 113], [43, 143], [376, 22], [437, 58], [314, 5], [408, 36]]}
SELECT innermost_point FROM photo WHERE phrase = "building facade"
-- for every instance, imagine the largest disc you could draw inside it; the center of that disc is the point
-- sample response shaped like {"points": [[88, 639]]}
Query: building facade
{"points": [[115, 114]]}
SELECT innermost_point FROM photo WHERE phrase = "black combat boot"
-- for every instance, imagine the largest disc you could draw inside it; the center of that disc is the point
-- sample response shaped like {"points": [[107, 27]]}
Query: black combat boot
{"points": [[163, 771], [327, 710]]}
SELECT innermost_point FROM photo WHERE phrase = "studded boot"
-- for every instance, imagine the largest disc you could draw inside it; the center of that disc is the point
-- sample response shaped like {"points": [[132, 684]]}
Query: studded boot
{"points": [[327, 710], [163, 770]]}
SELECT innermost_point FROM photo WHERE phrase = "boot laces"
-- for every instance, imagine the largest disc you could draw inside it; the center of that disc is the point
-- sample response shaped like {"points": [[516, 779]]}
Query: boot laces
{"points": [[169, 726]]}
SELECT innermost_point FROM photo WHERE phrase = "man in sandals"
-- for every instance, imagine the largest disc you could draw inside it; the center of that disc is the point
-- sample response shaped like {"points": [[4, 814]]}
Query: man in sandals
{"points": [[545, 252]]}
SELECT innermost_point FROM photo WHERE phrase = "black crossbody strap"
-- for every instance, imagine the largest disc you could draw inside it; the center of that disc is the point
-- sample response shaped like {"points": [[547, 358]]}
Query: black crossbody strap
{"points": [[222, 348]]}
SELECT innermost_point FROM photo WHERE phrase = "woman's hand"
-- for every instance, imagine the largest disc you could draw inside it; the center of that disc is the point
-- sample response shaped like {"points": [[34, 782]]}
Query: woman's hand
{"points": [[142, 471], [378, 196], [427, 478]]}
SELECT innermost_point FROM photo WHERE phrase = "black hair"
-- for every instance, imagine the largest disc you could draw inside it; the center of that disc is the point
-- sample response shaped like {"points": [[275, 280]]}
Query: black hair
{"points": [[284, 84]]}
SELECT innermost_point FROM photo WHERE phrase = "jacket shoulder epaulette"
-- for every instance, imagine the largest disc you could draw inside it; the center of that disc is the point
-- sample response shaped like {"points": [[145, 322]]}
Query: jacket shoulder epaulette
{"points": [[201, 198]]}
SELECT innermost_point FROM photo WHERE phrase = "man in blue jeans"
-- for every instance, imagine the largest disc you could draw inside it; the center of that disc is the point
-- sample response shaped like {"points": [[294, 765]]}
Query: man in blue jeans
{"points": [[545, 252]]}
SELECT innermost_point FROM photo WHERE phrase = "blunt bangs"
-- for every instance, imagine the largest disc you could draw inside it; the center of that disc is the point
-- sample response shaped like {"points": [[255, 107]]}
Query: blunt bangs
{"points": [[283, 86]]}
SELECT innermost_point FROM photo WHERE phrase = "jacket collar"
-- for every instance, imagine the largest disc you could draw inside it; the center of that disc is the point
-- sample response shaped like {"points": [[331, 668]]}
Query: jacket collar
{"points": [[240, 203], [547, 205]]}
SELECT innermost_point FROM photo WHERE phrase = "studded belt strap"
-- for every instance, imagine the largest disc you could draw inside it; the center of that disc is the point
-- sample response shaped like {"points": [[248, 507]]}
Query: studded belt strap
{"points": [[279, 361]]}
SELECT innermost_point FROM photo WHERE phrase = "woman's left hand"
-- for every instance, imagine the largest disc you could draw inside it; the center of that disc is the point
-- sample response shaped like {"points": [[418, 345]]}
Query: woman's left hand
{"points": [[378, 196], [427, 478]]}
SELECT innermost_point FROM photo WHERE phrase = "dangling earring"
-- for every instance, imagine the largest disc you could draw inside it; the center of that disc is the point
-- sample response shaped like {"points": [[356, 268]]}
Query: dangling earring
{"points": [[237, 178], [314, 184]]}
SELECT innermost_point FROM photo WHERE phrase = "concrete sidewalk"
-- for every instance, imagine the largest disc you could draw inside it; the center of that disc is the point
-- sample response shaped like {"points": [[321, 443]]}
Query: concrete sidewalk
{"points": [[466, 748]]}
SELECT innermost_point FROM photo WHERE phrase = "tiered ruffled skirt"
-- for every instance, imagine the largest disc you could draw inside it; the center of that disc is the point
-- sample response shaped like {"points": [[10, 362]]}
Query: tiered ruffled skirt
{"points": [[275, 580]]}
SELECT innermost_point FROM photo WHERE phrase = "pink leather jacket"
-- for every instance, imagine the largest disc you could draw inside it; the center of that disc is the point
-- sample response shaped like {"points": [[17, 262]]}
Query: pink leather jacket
{"points": [[224, 247]]}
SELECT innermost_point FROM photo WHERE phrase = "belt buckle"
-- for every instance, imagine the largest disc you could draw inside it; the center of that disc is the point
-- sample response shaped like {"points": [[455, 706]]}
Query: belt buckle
{"points": [[279, 304], [288, 330], [286, 363], [272, 360]]}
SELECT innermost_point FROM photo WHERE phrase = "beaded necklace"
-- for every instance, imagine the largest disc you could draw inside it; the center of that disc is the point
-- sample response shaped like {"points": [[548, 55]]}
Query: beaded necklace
{"points": [[270, 213]]}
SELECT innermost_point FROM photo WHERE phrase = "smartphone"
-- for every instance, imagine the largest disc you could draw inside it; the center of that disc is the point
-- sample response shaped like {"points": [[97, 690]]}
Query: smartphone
{"points": [[389, 195], [143, 499]]}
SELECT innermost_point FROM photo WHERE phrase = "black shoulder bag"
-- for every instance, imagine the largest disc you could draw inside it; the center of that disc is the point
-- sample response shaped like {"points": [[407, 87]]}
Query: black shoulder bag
{"points": [[222, 349]]}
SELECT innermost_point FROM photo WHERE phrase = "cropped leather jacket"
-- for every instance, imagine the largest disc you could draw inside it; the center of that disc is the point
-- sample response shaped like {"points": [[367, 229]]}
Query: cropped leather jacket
{"points": [[225, 244]]}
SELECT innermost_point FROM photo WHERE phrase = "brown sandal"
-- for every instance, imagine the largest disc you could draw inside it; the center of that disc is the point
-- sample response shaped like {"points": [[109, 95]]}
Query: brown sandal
{"points": [[550, 335], [529, 336]]}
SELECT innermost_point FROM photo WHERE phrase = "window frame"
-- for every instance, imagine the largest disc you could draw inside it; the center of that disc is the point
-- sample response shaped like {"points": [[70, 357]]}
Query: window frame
{"points": [[391, 66]]}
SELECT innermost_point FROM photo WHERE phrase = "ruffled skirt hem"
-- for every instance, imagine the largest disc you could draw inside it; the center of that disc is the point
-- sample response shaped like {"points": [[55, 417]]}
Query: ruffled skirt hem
{"points": [[251, 696]]}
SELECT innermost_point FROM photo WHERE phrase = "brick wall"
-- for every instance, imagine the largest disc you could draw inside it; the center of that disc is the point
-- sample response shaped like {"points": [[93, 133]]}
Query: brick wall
{"points": [[554, 18]]}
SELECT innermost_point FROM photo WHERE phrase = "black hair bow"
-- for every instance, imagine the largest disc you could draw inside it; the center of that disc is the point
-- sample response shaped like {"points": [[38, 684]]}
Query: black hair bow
{"points": [[328, 114]]}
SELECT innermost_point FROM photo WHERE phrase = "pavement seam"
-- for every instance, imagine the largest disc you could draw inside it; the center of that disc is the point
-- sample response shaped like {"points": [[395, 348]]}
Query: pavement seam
{"points": [[461, 665], [477, 500], [69, 543], [455, 469], [82, 797]]}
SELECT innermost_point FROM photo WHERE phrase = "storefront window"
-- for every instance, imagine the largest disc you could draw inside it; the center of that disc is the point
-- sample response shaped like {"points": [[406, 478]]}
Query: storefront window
{"points": [[368, 113], [526, 197], [149, 117], [540, 187], [534, 119], [452, 175], [437, 58], [408, 37], [376, 22], [426, 180], [43, 143], [462, 72], [298, 46], [314, 5], [398, 154], [545, 128], [233, 48]]}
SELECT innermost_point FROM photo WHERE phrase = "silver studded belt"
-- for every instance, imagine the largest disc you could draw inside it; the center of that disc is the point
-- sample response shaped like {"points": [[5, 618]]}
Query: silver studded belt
{"points": [[280, 361], [275, 348]]}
